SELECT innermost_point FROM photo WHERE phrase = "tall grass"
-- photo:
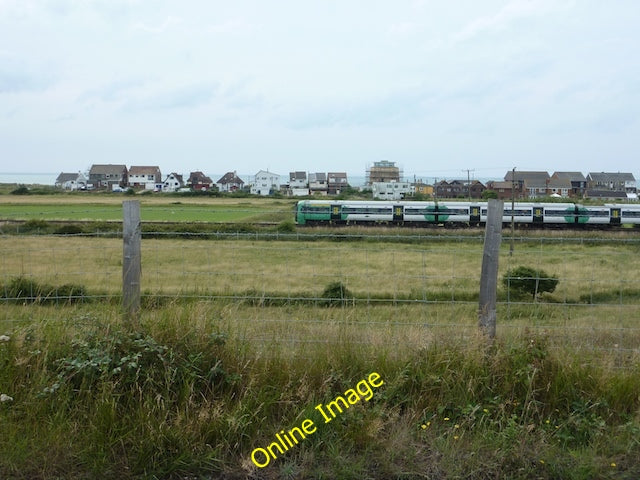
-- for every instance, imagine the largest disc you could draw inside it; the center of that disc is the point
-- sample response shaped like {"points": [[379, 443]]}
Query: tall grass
{"points": [[187, 395]]}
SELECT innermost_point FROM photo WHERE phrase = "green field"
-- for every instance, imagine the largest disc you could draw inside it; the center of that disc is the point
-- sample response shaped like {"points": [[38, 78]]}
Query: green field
{"points": [[236, 342], [152, 208]]}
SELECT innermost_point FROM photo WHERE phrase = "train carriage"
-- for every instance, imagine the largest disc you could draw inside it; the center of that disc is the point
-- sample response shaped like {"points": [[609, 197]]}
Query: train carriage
{"points": [[310, 212]]}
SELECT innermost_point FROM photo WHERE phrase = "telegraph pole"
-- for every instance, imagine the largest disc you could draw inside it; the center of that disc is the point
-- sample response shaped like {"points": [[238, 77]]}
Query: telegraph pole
{"points": [[468, 182], [513, 201]]}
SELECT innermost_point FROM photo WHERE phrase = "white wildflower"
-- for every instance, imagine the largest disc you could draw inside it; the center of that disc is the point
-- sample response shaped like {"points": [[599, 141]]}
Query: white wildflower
{"points": [[4, 338], [5, 398]]}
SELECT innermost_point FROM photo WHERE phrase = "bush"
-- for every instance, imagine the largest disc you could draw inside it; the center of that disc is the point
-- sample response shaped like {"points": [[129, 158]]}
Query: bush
{"points": [[27, 290], [69, 229], [527, 280], [21, 190], [336, 293]]}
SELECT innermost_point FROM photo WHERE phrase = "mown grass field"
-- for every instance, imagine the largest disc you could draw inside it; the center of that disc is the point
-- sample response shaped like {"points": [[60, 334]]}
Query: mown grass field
{"points": [[154, 208], [236, 342]]}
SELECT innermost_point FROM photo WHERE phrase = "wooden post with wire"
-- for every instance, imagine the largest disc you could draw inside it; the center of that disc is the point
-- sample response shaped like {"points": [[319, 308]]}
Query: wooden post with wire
{"points": [[131, 259], [489, 274]]}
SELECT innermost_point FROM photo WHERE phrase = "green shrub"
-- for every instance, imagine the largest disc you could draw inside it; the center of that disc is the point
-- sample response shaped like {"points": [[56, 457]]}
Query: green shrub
{"points": [[69, 229], [21, 190], [336, 293], [527, 280]]}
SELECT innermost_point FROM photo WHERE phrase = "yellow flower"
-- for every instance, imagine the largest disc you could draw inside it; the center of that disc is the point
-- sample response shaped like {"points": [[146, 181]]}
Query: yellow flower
{"points": [[613, 465], [455, 437], [424, 426], [542, 461], [446, 419], [456, 426], [485, 410], [547, 421]]}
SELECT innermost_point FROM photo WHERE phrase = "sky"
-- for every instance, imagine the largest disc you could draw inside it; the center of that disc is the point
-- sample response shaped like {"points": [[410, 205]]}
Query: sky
{"points": [[437, 86]]}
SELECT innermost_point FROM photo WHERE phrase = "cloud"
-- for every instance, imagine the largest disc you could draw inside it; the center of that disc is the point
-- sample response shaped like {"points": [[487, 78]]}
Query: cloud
{"points": [[511, 12], [168, 22], [234, 26], [396, 108], [190, 96], [17, 77]]}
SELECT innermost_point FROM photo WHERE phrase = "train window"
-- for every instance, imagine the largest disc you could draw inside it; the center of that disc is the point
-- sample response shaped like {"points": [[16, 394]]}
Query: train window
{"points": [[559, 213], [366, 210], [631, 213], [516, 213], [597, 213], [314, 209]]}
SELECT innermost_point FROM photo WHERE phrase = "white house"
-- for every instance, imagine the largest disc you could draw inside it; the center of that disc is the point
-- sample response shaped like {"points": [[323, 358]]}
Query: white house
{"points": [[172, 183], [147, 177], [298, 184], [230, 182], [71, 181], [265, 183], [391, 190]]}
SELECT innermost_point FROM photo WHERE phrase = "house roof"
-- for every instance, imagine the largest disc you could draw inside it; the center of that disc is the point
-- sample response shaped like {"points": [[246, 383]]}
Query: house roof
{"points": [[144, 170], [611, 177], [501, 185], [522, 175], [297, 176], [230, 177], [337, 177], [605, 194], [559, 183], [199, 178], [176, 176], [317, 177], [67, 177], [571, 176], [107, 169]]}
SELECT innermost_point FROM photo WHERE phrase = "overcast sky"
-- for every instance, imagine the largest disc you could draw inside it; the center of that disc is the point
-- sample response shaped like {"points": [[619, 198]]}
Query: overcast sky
{"points": [[438, 86]]}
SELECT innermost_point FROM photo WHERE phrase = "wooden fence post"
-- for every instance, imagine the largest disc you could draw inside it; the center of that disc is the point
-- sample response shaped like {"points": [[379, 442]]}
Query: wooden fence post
{"points": [[131, 259], [489, 275]]}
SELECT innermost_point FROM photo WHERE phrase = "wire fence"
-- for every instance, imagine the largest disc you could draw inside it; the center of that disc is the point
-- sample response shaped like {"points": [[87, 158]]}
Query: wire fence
{"points": [[305, 287]]}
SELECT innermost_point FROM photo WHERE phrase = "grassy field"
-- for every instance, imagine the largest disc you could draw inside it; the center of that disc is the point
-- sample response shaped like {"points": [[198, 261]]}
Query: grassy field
{"points": [[236, 342], [154, 208]]}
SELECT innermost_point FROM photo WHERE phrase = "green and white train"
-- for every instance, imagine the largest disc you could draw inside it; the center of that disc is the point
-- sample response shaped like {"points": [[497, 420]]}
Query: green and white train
{"points": [[343, 212]]}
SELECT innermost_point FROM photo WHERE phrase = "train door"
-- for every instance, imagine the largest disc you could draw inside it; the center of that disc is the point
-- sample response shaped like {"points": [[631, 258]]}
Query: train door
{"points": [[615, 216], [474, 215], [538, 217], [398, 213], [335, 212]]}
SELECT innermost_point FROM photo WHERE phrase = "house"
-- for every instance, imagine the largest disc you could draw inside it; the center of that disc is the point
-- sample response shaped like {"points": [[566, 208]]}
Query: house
{"points": [[578, 182], [391, 190], [230, 182], [615, 182], [144, 177], [199, 181], [71, 181], [336, 182], [172, 183], [318, 183], [422, 188], [298, 180], [265, 183], [108, 176], [535, 187], [505, 190], [298, 184], [559, 187]]}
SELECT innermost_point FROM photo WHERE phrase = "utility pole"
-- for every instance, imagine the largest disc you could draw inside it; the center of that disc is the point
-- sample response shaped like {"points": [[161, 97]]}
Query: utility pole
{"points": [[469, 182], [513, 201]]}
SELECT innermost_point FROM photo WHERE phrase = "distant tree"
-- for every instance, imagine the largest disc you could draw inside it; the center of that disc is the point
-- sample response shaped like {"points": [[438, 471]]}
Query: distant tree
{"points": [[487, 194], [527, 280]]}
